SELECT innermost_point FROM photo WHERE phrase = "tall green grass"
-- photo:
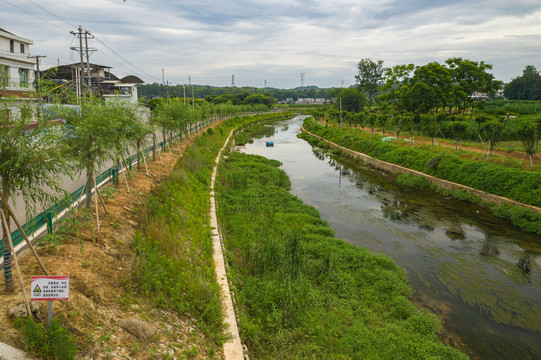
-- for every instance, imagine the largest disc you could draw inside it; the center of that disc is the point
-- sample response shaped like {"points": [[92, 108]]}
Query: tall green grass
{"points": [[175, 267], [303, 294]]}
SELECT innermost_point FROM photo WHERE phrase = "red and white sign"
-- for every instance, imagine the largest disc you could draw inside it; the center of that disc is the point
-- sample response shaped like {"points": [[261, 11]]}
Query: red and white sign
{"points": [[46, 288]]}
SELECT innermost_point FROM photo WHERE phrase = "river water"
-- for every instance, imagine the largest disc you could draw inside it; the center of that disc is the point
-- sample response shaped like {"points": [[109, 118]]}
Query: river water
{"points": [[480, 275]]}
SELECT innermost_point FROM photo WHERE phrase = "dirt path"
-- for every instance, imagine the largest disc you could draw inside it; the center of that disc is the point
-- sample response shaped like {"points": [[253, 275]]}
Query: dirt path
{"points": [[109, 320]]}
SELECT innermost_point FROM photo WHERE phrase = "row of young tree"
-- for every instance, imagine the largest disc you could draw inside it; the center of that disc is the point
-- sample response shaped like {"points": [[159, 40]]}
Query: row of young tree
{"points": [[485, 129], [36, 154]]}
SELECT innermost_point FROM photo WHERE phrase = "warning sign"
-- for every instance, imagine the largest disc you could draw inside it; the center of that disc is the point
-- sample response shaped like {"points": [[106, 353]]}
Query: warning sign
{"points": [[46, 288]]}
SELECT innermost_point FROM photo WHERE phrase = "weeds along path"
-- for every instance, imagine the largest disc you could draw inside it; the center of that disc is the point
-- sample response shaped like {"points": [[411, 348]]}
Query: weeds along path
{"points": [[232, 348]]}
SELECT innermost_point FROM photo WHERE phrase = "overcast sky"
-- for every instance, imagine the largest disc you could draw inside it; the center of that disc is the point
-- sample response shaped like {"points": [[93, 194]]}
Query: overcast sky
{"points": [[278, 40]]}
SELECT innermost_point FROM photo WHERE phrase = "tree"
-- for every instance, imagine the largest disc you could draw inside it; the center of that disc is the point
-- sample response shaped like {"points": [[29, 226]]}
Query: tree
{"points": [[369, 76], [31, 161], [429, 88], [458, 129], [528, 136], [352, 99], [470, 77], [492, 131], [396, 79], [259, 99], [525, 87], [91, 141], [430, 126], [371, 120]]}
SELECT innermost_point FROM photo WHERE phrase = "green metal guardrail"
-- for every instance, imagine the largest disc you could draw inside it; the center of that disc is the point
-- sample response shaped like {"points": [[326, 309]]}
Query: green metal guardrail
{"points": [[46, 216]]}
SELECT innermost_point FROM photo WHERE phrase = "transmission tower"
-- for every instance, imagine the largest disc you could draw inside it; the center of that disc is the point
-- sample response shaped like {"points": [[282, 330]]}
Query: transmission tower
{"points": [[233, 80], [302, 80]]}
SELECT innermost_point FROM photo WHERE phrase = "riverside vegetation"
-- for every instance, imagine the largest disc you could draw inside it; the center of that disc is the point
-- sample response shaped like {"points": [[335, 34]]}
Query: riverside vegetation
{"points": [[175, 260], [302, 293], [514, 183]]}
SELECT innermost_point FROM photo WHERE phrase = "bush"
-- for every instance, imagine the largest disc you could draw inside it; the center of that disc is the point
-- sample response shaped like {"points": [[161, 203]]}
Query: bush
{"points": [[52, 342]]}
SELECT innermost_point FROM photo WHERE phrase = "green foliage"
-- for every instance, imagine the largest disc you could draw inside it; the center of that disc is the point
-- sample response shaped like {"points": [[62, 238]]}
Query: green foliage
{"points": [[368, 77], [352, 100], [175, 266], [304, 294], [32, 158], [425, 88], [413, 181], [516, 184], [525, 87], [52, 342], [513, 183]]}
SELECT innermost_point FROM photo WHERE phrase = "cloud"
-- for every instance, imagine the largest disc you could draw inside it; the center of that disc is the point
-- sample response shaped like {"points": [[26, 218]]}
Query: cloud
{"points": [[276, 41]]}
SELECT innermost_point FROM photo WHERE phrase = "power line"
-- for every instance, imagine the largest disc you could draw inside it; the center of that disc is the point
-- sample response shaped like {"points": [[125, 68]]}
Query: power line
{"points": [[39, 17], [124, 59], [51, 13]]}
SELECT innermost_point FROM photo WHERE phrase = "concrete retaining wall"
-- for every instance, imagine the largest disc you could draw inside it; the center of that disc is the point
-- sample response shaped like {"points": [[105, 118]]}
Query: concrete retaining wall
{"points": [[396, 169]]}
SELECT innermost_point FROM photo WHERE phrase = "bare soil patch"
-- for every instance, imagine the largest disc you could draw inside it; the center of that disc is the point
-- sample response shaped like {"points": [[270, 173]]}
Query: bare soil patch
{"points": [[104, 311]]}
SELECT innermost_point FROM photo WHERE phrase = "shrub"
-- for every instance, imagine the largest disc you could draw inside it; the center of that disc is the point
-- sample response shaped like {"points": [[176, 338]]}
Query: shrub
{"points": [[52, 342]]}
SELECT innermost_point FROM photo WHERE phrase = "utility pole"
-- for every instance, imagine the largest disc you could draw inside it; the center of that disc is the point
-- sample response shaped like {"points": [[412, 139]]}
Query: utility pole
{"points": [[38, 82], [83, 71], [79, 76], [340, 112], [88, 72]]}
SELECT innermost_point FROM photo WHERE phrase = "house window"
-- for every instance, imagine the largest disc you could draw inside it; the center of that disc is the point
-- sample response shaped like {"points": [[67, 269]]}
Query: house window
{"points": [[23, 77], [11, 46], [4, 76], [22, 48]]}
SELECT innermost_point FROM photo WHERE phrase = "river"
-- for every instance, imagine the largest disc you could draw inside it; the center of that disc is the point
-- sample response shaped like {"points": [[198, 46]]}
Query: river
{"points": [[479, 274]]}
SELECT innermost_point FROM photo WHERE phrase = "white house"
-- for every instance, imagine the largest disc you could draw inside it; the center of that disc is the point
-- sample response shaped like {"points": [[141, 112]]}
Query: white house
{"points": [[16, 73]]}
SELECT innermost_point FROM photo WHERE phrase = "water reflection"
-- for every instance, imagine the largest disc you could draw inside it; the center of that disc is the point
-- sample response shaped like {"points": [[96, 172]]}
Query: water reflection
{"points": [[479, 274]]}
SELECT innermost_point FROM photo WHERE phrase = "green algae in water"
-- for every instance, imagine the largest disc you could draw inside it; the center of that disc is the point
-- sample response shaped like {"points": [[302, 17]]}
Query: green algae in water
{"points": [[491, 292]]}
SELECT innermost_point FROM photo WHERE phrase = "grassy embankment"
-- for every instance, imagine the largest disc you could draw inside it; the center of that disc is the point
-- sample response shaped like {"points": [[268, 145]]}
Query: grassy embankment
{"points": [[175, 264], [513, 183], [304, 294]]}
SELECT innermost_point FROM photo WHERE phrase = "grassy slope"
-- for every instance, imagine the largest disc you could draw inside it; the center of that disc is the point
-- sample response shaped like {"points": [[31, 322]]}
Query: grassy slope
{"points": [[175, 263], [302, 293]]}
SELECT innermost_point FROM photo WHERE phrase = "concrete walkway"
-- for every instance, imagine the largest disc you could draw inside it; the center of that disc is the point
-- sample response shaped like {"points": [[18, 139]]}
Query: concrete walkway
{"points": [[10, 353], [233, 349]]}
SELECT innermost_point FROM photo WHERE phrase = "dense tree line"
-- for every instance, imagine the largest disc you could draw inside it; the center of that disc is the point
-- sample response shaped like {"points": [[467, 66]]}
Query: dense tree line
{"points": [[150, 91], [525, 87], [451, 86]]}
